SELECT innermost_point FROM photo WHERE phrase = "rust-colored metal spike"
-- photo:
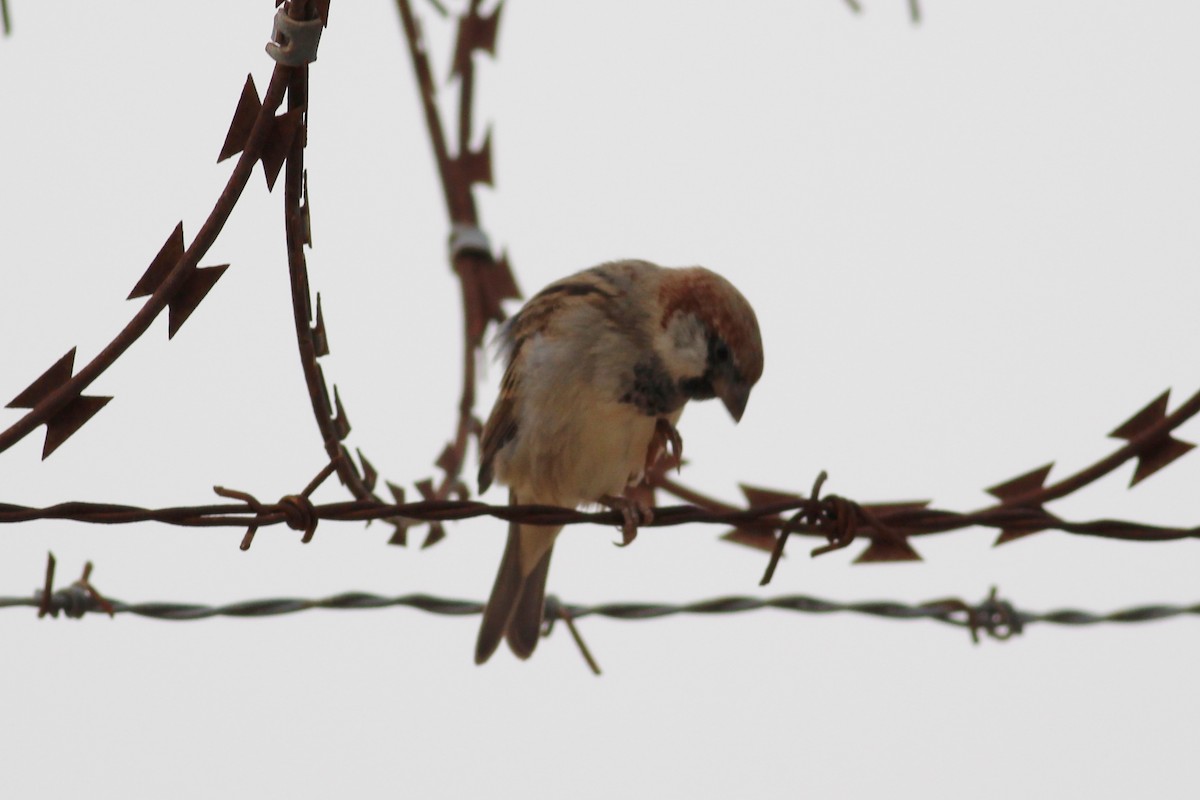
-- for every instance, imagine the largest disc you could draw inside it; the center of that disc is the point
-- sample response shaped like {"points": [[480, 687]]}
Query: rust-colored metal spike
{"points": [[44, 607], [370, 476], [400, 534], [760, 540], [319, 337], [1028, 483], [284, 130], [757, 497], [448, 460], [348, 470], [475, 32], [425, 487], [1162, 450], [248, 108], [190, 294], [498, 285], [885, 550], [168, 256], [306, 211], [475, 296], [1157, 457], [1012, 534], [1023, 485], [341, 425], [1140, 422], [882, 511], [72, 417], [58, 374], [323, 387], [435, 535], [436, 531], [505, 282], [475, 166]]}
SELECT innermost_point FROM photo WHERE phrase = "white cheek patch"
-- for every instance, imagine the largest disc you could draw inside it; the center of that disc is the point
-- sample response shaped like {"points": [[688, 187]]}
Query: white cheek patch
{"points": [[686, 353]]}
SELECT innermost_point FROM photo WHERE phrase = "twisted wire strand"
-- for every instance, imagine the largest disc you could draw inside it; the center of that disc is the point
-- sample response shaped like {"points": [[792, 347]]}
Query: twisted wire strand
{"points": [[995, 617]]}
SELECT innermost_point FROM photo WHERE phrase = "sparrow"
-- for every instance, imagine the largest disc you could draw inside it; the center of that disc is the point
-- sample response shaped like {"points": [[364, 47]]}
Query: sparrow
{"points": [[599, 365]]}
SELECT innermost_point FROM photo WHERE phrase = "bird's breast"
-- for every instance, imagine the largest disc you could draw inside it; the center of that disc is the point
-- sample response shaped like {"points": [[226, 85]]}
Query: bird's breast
{"points": [[569, 453]]}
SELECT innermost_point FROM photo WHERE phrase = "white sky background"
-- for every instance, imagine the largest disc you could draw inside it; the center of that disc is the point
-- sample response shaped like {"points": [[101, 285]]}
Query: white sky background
{"points": [[972, 245]]}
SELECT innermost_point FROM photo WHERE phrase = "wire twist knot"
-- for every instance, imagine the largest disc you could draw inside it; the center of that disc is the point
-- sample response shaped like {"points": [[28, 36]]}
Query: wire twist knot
{"points": [[299, 514], [837, 517], [297, 511], [75, 600], [996, 617]]}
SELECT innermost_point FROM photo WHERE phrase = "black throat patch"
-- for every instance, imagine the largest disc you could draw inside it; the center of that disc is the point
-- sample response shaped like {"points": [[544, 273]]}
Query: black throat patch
{"points": [[653, 393]]}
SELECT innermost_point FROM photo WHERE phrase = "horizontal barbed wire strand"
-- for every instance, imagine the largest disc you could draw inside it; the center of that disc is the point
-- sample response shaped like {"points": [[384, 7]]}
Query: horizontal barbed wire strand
{"points": [[75, 601], [1019, 512]]}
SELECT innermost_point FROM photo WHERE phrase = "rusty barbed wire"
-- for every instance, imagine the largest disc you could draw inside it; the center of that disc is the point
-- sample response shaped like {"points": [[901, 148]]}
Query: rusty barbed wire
{"points": [[1019, 512], [175, 281], [312, 340], [485, 280], [761, 520], [243, 515], [1147, 434]]}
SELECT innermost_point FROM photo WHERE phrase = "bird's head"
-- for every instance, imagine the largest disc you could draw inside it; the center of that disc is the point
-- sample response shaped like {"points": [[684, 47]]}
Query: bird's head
{"points": [[709, 340]]}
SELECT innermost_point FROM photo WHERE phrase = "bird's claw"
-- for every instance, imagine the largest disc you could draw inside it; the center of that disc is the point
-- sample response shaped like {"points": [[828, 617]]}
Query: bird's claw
{"points": [[635, 513], [671, 435], [666, 439]]}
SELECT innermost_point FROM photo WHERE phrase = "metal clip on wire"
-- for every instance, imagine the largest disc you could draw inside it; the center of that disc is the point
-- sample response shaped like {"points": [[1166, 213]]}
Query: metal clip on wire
{"points": [[466, 238], [293, 41]]}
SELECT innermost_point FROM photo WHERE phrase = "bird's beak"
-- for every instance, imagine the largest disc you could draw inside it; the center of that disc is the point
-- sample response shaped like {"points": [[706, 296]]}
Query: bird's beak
{"points": [[734, 395]]}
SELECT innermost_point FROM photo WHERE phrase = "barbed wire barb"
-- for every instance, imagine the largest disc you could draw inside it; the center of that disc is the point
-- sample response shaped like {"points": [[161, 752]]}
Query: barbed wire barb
{"points": [[994, 616]]}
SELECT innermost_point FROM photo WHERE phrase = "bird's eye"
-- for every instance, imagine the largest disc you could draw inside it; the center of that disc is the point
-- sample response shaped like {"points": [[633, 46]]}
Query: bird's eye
{"points": [[720, 352]]}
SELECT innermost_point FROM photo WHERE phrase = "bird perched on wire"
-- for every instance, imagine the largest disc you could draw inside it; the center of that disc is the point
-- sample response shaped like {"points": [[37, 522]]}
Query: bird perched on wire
{"points": [[600, 366]]}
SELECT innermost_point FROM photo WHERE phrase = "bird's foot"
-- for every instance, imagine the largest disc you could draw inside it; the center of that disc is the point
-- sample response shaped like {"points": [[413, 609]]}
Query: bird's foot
{"points": [[636, 512], [666, 439]]}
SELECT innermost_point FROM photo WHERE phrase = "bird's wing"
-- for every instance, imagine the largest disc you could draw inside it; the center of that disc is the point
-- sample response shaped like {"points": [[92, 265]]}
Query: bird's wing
{"points": [[557, 302]]}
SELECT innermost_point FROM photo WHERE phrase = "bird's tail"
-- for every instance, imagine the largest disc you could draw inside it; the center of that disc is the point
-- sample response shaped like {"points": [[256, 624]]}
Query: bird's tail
{"points": [[514, 610]]}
